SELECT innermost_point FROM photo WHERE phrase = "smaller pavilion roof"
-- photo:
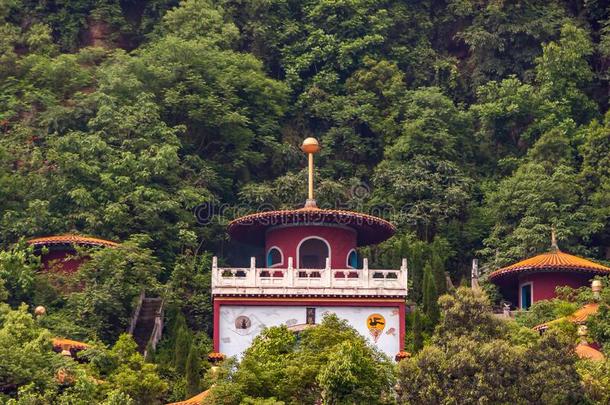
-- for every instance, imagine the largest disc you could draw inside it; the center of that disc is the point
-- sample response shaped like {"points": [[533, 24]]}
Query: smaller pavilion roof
{"points": [[68, 344], [196, 400], [579, 316], [555, 260], [584, 351], [71, 240]]}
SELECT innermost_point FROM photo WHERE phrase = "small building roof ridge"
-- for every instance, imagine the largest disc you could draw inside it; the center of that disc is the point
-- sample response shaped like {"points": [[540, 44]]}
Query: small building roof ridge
{"points": [[584, 351], [579, 316], [70, 239], [551, 260], [63, 343], [196, 400]]}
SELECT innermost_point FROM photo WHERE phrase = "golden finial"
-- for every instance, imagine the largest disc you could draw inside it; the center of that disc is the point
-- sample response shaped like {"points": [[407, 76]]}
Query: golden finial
{"points": [[310, 146], [40, 311], [554, 245]]}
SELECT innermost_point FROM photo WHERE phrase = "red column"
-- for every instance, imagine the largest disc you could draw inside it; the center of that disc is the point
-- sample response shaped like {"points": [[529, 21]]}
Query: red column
{"points": [[402, 319], [216, 326]]}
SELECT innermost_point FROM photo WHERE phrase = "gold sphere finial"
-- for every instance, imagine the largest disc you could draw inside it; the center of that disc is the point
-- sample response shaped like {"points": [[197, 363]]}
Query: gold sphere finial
{"points": [[310, 145], [40, 310]]}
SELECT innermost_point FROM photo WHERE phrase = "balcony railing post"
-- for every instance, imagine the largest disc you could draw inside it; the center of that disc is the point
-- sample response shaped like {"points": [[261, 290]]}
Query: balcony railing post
{"points": [[329, 273], [404, 274], [290, 273], [215, 275], [252, 277], [365, 272]]}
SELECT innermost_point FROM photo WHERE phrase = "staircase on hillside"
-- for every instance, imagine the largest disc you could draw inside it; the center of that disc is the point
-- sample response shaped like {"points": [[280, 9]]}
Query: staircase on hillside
{"points": [[147, 323]]}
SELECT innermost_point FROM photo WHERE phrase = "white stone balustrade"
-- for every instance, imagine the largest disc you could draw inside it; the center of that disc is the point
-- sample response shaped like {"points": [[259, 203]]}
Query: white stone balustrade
{"points": [[256, 281]]}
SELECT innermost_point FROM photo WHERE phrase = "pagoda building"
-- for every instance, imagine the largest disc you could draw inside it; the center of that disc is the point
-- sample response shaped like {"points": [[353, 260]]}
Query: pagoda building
{"points": [[536, 278], [59, 253], [311, 268]]}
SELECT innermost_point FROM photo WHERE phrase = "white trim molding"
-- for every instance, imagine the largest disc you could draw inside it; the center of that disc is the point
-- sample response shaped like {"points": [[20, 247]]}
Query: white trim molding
{"points": [[328, 259], [347, 265], [281, 263], [527, 283]]}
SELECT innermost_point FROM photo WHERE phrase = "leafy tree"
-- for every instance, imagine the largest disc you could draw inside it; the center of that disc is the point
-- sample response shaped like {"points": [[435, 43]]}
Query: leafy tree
{"points": [[189, 291], [193, 371], [418, 340], [467, 313], [330, 360], [430, 296], [594, 375], [544, 311], [563, 73], [473, 347], [100, 306], [26, 352], [526, 205], [182, 349], [133, 376], [504, 39], [18, 267], [341, 378], [420, 164]]}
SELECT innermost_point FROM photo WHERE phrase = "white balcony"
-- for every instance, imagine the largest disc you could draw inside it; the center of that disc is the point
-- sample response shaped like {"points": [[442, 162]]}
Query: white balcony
{"points": [[256, 281]]}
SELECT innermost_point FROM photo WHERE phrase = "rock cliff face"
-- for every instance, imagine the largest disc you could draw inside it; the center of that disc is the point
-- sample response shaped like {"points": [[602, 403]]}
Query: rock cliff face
{"points": [[99, 34]]}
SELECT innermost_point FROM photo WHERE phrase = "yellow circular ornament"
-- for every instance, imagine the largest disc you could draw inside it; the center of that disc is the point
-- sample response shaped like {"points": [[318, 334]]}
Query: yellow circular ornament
{"points": [[376, 325]]}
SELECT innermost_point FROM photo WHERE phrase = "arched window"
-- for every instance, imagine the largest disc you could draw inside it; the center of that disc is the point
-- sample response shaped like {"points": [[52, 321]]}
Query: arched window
{"points": [[352, 259], [274, 257], [312, 253]]}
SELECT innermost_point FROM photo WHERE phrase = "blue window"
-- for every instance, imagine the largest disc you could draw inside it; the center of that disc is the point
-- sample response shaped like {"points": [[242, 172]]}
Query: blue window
{"points": [[352, 259], [526, 296], [274, 256]]}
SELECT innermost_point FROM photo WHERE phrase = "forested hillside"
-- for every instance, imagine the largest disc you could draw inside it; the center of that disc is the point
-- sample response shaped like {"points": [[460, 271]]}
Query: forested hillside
{"points": [[474, 126]]}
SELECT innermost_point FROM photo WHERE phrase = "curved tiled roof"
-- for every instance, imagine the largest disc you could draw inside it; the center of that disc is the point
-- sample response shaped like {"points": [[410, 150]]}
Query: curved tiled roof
{"points": [[71, 240], [196, 400], [68, 344], [584, 351], [554, 260], [579, 316], [370, 229]]}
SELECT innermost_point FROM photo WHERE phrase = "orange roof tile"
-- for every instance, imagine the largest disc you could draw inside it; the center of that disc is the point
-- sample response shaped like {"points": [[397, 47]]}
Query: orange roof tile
{"points": [[196, 400], [584, 351], [71, 239], [554, 260], [579, 316], [68, 344]]}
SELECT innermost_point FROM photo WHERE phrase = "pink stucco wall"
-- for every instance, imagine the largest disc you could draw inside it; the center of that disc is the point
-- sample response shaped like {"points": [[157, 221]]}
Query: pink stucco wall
{"points": [[544, 284], [341, 240]]}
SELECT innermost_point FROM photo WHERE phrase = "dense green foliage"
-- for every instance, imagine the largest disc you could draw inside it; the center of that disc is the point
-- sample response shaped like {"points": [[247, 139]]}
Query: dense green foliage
{"points": [[481, 124], [330, 361], [112, 376], [475, 126], [474, 358]]}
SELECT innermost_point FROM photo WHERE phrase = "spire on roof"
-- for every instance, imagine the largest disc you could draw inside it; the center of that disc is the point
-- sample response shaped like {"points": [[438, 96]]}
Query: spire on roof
{"points": [[554, 246], [310, 146]]}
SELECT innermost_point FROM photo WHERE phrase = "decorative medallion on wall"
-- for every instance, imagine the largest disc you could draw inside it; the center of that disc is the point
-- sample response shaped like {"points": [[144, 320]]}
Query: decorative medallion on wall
{"points": [[376, 325], [243, 325]]}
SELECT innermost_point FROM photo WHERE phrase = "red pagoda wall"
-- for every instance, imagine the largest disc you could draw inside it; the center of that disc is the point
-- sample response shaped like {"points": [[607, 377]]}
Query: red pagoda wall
{"points": [[62, 260], [544, 284], [341, 240]]}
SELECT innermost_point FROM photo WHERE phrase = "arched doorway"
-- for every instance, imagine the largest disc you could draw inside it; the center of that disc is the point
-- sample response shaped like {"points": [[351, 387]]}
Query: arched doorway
{"points": [[312, 253]]}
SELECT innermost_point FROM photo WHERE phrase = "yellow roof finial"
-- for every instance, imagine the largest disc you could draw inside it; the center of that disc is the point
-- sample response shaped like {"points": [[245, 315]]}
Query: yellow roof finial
{"points": [[554, 245], [310, 146]]}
